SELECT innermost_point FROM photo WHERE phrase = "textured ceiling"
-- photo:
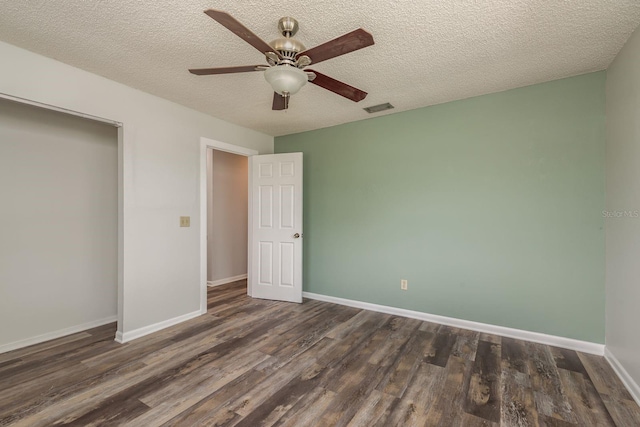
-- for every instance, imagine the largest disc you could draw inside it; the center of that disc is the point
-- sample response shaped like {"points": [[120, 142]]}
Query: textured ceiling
{"points": [[426, 52]]}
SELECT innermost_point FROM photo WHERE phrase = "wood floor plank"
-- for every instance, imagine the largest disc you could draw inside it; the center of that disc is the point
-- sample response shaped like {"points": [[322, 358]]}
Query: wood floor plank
{"points": [[348, 368], [448, 409], [279, 401], [309, 338], [145, 345], [354, 378], [518, 406], [426, 385], [208, 408], [308, 410], [374, 407], [47, 385], [547, 421], [469, 420], [319, 323], [484, 391], [466, 344], [250, 400], [441, 347], [545, 381], [10, 355], [98, 410], [603, 377], [624, 412], [250, 362], [587, 405], [167, 403], [317, 350], [354, 323], [180, 386], [10, 364], [495, 339], [407, 362], [399, 331], [116, 412], [567, 359], [32, 366], [350, 397], [429, 327], [350, 338], [514, 355]]}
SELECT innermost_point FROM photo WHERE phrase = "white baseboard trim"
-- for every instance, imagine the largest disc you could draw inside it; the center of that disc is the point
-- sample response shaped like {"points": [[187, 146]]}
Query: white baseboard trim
{"points": [[56, 334], [227, 280], [123, 337], [629, 383], [569, 343]]}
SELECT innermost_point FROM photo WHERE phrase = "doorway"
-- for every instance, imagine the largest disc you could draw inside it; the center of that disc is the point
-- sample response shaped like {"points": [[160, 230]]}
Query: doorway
{"points": [[227, 216], [217, 265]]}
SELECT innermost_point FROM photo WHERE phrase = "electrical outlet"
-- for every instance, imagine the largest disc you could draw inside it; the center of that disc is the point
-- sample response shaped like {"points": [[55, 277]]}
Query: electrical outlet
{"points": [[185, 221], [404, 284]]}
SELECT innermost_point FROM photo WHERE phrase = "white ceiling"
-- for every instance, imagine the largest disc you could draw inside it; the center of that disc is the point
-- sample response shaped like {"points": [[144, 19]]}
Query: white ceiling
{"points": [[426, 52]]}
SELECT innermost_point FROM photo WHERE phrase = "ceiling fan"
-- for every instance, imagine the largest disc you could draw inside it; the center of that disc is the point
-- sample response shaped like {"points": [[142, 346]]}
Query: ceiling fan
{"points": [[287, 59]]}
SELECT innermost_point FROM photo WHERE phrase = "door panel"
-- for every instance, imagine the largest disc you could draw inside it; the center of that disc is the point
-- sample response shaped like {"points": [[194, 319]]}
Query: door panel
{"points": [[266, 206], [276, 227], [287, 259], [287, 203], [265, 261]]}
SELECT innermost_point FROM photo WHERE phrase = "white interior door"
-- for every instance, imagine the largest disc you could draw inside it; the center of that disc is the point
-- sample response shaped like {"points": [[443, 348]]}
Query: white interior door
{"points": [[275, 229]]}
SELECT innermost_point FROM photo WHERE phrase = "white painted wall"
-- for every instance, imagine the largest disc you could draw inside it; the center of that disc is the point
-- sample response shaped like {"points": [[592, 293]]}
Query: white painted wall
{"points": [[58, 222], [623, 195], [159, 149], [227, 215]]}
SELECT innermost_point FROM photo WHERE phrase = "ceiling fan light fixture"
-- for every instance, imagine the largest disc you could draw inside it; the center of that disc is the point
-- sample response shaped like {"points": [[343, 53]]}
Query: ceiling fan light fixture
{"points": [[285, 79]]}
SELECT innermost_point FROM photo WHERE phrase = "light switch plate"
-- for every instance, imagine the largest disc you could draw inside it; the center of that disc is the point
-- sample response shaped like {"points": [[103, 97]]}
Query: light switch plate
{"points": [[185, 221]]}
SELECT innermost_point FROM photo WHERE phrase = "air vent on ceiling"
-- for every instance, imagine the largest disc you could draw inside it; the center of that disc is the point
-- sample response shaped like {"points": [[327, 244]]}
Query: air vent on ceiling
{"points": [[378, 108]]}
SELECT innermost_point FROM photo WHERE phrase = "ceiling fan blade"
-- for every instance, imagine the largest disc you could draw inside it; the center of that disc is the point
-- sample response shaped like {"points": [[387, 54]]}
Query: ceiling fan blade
{"points": [[354, 40], [338, 87], [239, 30], [226, 70], [280, 102]]}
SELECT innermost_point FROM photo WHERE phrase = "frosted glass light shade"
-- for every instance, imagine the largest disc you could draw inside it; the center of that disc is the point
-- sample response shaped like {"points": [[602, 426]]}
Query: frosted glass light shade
{"points": [[285, 78]]}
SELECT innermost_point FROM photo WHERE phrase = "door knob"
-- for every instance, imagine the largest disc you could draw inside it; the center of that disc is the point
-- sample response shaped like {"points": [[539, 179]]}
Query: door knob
{"points": [[296, 236]]}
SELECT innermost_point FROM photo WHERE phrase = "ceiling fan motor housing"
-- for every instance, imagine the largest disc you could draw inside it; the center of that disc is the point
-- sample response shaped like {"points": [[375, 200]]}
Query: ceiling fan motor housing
{"points": [[287, 46]]}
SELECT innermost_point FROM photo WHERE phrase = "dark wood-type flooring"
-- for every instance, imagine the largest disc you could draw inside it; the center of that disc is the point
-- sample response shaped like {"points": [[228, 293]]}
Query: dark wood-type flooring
{"points": [[251, 362]]}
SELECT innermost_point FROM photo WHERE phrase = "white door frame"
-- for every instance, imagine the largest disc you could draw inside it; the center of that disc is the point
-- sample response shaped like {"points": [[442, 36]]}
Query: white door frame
{"points": [[229, 148]]}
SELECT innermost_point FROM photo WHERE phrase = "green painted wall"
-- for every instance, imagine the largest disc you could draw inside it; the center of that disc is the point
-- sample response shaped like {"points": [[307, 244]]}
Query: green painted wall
{"points": [[491, 208]]}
